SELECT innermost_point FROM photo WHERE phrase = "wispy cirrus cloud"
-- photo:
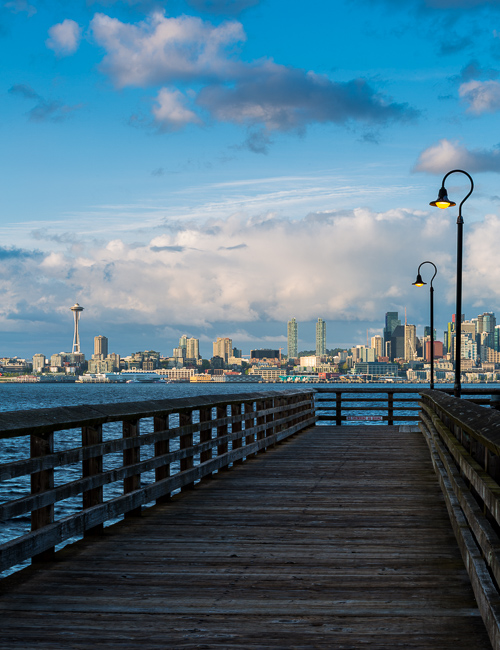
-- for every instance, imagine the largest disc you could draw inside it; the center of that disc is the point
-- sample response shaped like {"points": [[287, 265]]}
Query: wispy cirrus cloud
{"points": [[445, 155], [44, 110]]}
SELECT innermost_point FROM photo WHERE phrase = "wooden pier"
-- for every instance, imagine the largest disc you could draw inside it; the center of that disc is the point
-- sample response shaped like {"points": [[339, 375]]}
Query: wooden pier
{"points": [[337, 538]]}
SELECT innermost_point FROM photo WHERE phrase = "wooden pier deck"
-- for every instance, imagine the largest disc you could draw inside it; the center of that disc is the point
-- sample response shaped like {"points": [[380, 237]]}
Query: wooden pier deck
{"points": [[338, 538]]}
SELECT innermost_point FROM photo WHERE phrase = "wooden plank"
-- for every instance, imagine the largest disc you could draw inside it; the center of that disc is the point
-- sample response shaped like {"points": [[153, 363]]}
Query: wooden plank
{"points": [[339, 538]]}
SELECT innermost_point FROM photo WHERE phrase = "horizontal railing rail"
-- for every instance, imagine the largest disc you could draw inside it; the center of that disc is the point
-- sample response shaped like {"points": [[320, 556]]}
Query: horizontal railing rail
{"points": [[338, 404], [188, 439], [464, 439]]}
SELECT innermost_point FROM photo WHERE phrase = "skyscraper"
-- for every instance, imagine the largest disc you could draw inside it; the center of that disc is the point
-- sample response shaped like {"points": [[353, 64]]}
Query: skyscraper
{"points": [[100, 347], [192, 349], [377, 345], [320, 338], [76, 309], [223, 348], [292, 331], [391, 322]]}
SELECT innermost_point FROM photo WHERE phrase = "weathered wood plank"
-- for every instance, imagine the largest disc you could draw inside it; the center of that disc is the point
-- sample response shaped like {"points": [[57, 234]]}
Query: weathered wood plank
{"points": [[337, 538]]}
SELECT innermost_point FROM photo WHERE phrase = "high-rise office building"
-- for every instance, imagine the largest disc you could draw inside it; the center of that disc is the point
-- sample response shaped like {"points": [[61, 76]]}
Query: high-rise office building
{"points": [[100, 347], [320, 338], [486, 322], [223, 348], [391, 322], [293, 339], [410, 333]]}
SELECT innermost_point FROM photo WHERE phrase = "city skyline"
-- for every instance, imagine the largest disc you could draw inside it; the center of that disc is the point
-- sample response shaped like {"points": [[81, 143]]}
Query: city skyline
{"points": [[217, 166]]}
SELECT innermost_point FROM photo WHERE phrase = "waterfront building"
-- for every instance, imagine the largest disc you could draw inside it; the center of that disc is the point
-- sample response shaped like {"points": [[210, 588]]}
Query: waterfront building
{"points": [[38, 362], [320, 338], [223, 348], [293, 340], [100, 347], [375, 368]]}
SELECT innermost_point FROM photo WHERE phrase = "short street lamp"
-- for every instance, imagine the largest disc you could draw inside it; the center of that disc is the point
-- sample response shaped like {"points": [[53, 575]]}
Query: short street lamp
{"points": [[420, 283], [444, 202]]}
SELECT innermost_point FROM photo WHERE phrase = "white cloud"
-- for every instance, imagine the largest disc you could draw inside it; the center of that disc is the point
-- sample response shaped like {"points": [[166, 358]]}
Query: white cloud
{"points": [[170, 111], [160, 50], [482, 96], [64, 37], [446, 155]]}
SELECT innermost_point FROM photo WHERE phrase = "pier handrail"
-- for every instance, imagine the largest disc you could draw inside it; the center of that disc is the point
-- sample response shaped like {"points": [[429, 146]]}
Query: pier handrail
{"points": [[337, 403], [464, 440], [192, 438]]}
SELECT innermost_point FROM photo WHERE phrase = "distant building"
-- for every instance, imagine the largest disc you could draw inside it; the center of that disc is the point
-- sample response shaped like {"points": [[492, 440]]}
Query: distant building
{"points": [[265, 354], [391, 322], [192, 349], [223, 348], [292, 332], [320, 338], [100, 347], [38, 362], [410, 334], [377, 344]]}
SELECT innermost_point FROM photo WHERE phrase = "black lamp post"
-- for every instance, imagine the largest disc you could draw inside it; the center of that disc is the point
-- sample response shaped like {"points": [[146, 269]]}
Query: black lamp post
{"points": [[420, 283], [444, 202]]}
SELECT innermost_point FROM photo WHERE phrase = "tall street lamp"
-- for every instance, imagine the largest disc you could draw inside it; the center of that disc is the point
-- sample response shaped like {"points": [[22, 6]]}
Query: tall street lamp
{"points": [[444, 202], [420, 283]]}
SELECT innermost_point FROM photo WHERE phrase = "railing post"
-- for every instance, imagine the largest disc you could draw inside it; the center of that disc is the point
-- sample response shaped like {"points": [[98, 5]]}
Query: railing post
{"points": [[91, 467], [270, 403], [338, 408], [130, 457], [162, 447], [390, 409], [261, 419], [236, 428], [249, 422], [186, 441], [42, 445], [222, 430], [206, 434]]}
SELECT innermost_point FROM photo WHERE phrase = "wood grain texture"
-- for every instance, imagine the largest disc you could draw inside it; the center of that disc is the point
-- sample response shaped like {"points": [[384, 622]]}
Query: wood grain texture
{"points": [[337, 538]]}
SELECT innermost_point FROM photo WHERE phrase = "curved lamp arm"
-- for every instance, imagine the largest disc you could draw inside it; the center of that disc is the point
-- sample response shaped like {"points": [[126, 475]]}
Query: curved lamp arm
{"points": [[444, 202]]}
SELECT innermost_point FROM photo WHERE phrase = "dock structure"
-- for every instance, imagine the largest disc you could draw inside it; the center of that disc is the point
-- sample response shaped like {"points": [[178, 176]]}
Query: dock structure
{"points": [[339, 537]]}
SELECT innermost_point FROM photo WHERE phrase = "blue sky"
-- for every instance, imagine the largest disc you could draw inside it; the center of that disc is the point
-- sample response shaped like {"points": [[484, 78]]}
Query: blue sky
{"points": [[215, 167]]}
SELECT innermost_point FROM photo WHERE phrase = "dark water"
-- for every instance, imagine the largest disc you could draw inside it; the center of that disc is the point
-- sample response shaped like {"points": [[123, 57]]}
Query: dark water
{"points": [[15, 397]]}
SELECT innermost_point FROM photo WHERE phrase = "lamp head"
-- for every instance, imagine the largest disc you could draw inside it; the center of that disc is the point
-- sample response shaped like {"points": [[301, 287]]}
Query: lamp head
{"points": [[419, 282], [442, 200]]}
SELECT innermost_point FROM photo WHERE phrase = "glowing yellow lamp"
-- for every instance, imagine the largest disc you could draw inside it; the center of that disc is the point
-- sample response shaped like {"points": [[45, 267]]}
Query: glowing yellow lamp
{"points": [[442, 200], [419, 282]]}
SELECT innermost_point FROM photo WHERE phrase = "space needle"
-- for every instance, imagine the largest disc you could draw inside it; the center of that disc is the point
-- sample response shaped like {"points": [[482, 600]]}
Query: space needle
{"points": [[76, 309]]}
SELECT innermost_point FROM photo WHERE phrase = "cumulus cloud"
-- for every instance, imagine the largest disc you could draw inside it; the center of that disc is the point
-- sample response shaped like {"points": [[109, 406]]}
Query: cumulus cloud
{"points": [[161, 50], [64, 37], [171, 112], [285, 98], [446, 155], [43, 110], [482, 260], [263, 95], [482, 96]]}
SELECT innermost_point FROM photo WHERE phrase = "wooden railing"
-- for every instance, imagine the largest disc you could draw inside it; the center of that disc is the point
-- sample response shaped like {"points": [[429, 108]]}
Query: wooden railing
{"points": [[338, 404], [464, 440], [182, 441]]}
